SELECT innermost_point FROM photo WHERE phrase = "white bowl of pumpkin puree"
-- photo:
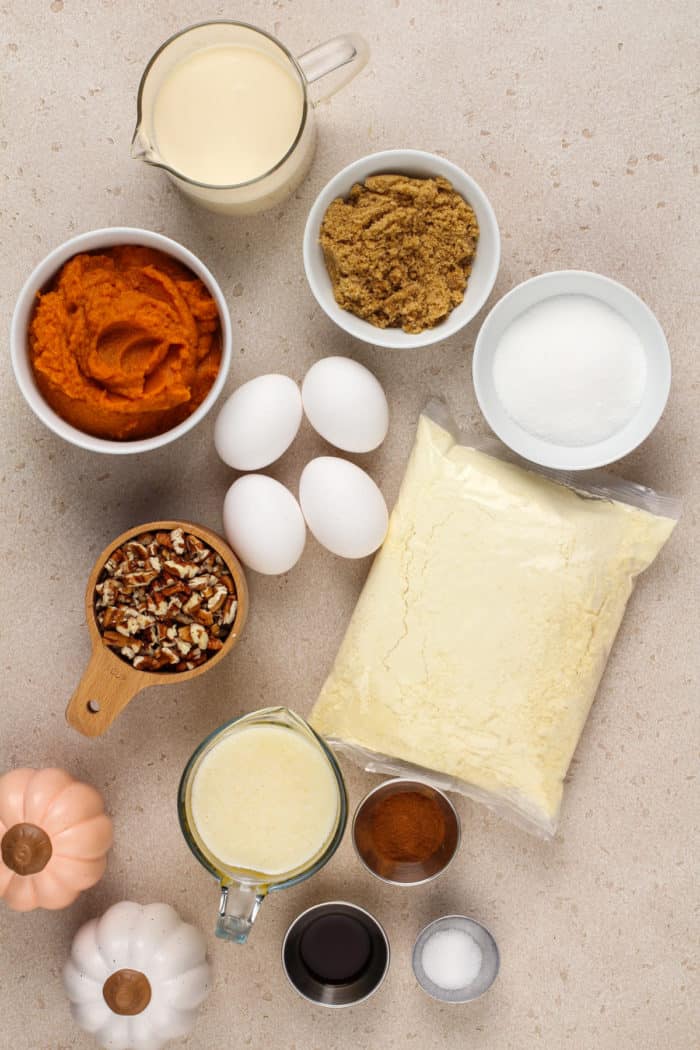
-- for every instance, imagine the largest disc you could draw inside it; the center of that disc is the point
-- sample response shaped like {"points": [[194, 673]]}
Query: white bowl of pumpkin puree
{"points": [[121, 340]]}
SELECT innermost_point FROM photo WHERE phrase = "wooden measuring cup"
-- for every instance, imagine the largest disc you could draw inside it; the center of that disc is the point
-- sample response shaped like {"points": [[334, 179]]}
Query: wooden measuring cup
{"points": [[109, 682]]}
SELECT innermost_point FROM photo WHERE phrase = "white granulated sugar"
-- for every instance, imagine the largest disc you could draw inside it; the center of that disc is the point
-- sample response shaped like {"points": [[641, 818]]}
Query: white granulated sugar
{"points": [[451, 959], [570, 370]]}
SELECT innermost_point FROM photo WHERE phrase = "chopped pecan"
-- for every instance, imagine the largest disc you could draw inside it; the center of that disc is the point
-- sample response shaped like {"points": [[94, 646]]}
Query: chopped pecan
{"points": [[192, 604], [113, 639], [177, 537], [172, 588], [169, 656], [135, 551], [199, 636], [165, 601], [196, 547], [184, 569], [110, 616], [140, 579], [218, 598], [199, 583], [138, 621], [109, 592]]}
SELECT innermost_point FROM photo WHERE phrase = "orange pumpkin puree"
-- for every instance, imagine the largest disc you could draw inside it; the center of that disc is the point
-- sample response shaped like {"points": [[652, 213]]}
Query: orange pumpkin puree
{"points": [[126, 343]]}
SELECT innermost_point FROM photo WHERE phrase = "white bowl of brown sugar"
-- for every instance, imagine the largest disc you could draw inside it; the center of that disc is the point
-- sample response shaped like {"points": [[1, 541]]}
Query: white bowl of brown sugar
{"points": [[401, 249]]}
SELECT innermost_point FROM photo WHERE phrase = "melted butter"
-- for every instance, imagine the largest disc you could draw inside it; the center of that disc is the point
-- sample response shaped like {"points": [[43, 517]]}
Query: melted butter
{"points": [[265, 799]]}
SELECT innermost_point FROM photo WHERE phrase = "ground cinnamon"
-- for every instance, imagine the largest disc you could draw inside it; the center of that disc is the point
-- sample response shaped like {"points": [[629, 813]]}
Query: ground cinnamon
{"points": [[407, 827]]}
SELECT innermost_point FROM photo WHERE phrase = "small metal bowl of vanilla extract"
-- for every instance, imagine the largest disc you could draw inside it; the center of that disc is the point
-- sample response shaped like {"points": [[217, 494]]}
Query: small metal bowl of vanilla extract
{"points": [[335, 954], [406, 832]]}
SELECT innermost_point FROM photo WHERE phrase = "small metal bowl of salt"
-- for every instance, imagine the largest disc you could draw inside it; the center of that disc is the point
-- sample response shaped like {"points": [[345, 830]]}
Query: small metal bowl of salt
{"points": [[455, 959]]}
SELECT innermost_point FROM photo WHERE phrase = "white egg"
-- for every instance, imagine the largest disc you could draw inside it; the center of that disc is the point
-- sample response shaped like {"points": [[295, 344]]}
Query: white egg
{"points": [[343, 507], [258, 422], [264, 524], [345, 404]]}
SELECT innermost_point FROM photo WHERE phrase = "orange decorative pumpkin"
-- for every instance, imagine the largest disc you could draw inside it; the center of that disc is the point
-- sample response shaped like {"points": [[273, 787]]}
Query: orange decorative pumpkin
{"points": [[54, 837]]}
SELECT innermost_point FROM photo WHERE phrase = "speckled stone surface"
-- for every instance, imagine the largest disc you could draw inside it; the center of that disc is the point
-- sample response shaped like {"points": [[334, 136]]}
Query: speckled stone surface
{"points": [[579, 120]]}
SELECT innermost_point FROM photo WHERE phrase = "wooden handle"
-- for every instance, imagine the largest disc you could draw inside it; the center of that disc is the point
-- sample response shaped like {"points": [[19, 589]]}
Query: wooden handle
{"points": [[103, 692]]}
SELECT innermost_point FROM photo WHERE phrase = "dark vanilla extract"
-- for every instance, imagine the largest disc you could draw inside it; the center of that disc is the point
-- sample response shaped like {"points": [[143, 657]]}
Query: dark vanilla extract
{"points": [[336, 949]]}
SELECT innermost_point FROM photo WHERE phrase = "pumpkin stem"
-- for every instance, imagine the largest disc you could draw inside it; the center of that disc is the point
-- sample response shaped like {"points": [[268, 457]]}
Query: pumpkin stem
{"points": [[127, 992], [26, 849]]}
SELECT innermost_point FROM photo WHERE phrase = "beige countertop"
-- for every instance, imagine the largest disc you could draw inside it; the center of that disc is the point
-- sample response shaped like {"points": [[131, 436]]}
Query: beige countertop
{"points": [[578, 120]]}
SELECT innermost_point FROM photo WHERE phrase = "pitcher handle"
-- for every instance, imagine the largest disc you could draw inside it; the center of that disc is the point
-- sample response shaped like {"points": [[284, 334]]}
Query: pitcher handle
{"points": [[347, 53], [245, 903]]}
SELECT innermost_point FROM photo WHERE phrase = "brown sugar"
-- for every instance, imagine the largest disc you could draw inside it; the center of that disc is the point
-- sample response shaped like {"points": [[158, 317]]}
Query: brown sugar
{"points": [[399, 250]]}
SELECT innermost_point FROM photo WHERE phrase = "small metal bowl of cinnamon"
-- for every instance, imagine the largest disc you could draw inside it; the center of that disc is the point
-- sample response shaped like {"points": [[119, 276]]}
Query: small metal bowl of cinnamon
{"points": [[406, 832]]}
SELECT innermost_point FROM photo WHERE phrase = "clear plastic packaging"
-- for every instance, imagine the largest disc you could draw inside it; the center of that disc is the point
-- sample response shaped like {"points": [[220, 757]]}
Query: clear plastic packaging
{"points": [[476, 647]]}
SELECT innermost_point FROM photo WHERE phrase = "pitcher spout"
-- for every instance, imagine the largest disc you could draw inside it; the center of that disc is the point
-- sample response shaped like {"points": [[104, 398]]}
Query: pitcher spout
{"points": [[141, 147]]}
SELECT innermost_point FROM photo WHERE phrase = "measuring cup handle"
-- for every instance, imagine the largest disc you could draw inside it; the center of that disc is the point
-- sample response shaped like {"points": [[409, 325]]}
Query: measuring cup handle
{"points": [[346, 54], [245, 903], [103, 692]]}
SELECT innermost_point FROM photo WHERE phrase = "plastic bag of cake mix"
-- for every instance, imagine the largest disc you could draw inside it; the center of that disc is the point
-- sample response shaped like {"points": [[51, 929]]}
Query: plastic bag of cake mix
{"points": [[478, 642]]}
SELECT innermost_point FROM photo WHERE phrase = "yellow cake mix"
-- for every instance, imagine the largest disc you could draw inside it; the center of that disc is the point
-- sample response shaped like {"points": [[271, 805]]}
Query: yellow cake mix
{"points": [[481, 635]]}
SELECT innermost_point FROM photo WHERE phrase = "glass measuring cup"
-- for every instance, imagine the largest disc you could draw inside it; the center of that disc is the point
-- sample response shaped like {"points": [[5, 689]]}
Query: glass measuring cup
{"points": [[343, 56], [242, 890]]}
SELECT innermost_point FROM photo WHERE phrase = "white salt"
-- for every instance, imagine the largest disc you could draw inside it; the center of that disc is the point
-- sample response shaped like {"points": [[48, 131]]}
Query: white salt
{"points": [[451, 959], [570, 370]]}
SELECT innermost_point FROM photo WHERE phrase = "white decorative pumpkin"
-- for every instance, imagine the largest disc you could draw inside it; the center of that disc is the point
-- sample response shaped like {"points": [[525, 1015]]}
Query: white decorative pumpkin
{"points": [[136, 976]]}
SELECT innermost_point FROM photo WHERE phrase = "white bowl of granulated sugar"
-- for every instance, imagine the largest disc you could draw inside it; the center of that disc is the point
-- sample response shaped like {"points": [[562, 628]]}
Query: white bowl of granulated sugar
{"points": [[571, 370]]}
